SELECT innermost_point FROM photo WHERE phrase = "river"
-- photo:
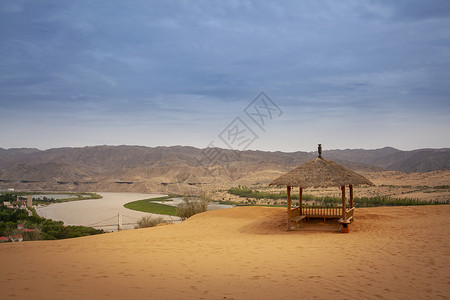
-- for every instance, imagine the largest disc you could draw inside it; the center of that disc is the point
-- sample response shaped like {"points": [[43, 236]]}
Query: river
{"points": [[104, 213]]}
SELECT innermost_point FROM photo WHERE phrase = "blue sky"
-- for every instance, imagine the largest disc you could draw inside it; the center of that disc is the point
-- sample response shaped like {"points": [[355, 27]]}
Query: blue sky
{"points": [[347, 74]]}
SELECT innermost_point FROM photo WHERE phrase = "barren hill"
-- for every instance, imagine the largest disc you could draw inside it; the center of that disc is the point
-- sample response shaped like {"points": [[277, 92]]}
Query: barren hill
{"points": [[45, 172], [420, 160]]}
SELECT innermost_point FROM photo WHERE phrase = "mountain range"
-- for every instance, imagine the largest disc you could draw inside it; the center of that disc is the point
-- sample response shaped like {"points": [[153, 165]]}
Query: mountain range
{"points": [[129, 165]]}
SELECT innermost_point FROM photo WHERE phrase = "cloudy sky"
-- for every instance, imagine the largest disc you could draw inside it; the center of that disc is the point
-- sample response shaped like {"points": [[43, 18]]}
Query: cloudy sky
{"points": [[347, 74]]}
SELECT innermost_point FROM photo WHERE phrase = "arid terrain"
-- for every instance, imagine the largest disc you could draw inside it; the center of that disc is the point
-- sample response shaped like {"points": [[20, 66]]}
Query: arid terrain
{"points": [[189, 170], [242, 253], [224, 149], [429, 186], [235, 253]]}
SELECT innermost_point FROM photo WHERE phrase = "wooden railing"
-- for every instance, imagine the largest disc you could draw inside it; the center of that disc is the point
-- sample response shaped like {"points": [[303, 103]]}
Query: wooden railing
{"points": [[322, 211], [295, 212], [349, 213]]}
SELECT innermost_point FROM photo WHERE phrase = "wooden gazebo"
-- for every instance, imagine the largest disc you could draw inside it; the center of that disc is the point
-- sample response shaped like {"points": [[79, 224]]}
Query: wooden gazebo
{"points": [[321, 173]]}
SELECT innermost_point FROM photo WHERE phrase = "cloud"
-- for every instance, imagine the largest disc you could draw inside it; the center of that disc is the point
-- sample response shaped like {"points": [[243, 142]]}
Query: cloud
{"points": [[199, 62], [11, 7], [420, 10]]}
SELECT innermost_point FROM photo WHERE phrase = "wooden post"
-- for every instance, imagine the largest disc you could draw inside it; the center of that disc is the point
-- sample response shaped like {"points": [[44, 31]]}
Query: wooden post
{"points": [[351, 196], [119, 223], [289, 206], [343, 202], [300, 200]]}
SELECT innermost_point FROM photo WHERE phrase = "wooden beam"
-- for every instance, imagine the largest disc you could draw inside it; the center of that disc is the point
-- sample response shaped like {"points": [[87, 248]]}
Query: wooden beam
{"points": [[289, 206], [351, 196], [343, 202], [300, 200], [288, 198]]}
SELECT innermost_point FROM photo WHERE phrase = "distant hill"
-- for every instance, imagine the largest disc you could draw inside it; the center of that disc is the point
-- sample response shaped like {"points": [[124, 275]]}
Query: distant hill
{"points": [[421, 160], [102, 165], [49, 171]]}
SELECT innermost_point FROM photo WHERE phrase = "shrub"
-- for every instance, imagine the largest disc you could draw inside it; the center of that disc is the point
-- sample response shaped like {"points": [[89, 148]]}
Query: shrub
{"points": [[192, 206], [148, 221]]}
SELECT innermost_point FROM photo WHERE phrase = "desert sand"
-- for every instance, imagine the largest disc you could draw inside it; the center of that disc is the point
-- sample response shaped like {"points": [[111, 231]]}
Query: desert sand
{"points": [[242, 253]]}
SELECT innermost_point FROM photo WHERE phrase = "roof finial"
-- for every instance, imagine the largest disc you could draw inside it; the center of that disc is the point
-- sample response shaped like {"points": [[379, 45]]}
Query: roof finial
{"points": [[320, 150]]}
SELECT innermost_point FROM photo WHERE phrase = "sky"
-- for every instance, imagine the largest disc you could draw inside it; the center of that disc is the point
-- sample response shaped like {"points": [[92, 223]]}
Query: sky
{"points": [[260, 75]]}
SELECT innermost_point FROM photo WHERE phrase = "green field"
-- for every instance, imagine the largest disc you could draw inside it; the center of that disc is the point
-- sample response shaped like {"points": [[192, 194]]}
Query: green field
{"points": [[159, 199], [148, 205]]}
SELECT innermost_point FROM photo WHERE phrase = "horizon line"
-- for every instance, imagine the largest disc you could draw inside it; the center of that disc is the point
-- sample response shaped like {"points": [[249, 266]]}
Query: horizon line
{"points": [[190, 146]]}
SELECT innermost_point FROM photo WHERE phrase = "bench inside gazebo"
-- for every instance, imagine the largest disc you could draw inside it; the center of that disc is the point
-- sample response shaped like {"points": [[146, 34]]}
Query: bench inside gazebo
{"points": [[320, 173], [343, 213]]}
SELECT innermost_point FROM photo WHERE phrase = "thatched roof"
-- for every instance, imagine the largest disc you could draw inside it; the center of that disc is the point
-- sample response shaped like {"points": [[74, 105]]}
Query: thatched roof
{"points": [[320, 172]]}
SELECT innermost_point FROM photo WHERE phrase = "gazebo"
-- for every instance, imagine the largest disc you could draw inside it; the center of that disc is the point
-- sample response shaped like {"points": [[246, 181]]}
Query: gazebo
{"points": [[321, 173]]}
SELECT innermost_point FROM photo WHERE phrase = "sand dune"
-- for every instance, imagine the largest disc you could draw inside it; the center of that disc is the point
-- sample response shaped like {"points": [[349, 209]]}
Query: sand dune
{"points": [[242, 253]]}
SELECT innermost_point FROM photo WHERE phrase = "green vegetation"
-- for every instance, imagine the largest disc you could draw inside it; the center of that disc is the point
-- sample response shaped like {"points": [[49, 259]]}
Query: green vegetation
{"points": [[376, 201], [331, 201], [189, 207], [395, 186], [34, 227], [12, 196], [420, 187], [38, 228], [159, 199], [8, 197], [147, 205], [80, 196], [245, 192], [148, 221], [233, 203], [444, 187]]}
